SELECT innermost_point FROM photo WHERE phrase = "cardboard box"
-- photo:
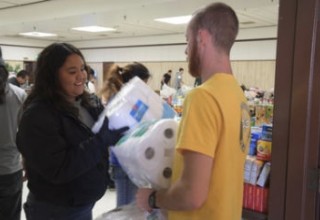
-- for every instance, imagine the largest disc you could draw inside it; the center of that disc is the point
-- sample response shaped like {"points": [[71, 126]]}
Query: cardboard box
{"points": [[250, 197], [255, 198], [264, 175], [245, 196], [266, 133], [255, 171], [260, 200], [264, 150], [247, 168]]}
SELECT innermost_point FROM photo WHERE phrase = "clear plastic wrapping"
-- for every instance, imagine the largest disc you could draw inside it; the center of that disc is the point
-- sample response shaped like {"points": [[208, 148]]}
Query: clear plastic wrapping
{"points": [[146, 153]]}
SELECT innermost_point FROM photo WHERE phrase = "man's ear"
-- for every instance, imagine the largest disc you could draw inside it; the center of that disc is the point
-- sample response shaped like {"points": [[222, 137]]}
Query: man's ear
{"points": [[203, 36]]}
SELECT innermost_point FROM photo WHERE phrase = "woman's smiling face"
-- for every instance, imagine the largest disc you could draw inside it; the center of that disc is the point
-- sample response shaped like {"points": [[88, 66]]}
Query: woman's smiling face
{"points": [[72, 77]]}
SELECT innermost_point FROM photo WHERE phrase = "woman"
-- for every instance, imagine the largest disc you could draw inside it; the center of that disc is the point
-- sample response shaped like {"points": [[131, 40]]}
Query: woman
{"points": [[116, 77], [65, 162]]}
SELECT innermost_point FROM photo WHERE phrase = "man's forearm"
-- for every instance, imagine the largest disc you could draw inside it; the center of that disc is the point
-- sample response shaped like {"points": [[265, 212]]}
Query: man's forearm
{"points": [[178, 197]]}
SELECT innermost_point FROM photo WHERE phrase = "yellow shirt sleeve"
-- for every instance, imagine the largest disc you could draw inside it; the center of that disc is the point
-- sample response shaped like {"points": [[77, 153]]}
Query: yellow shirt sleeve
{"points": [[199, 126]]}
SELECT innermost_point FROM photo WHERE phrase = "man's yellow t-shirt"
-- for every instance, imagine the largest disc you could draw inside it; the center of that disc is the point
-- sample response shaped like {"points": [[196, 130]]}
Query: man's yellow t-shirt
{"points": [[216, 123]]}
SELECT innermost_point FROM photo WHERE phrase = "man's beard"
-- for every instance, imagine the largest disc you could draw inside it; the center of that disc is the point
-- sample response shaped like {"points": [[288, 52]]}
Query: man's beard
{"points": [[194, 61]]}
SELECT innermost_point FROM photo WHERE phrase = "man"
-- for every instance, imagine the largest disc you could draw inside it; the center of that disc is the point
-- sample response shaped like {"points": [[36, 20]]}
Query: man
{"points": [[178, 79], [214, 132], [11, 98], [166, 78], [20, 79]]}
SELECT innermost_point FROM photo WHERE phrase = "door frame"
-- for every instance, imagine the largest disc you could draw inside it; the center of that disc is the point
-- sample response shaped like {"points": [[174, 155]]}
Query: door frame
{"points": [[296, 136]]}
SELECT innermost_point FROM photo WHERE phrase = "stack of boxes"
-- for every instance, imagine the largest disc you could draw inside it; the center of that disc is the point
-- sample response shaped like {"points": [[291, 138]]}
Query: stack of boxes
{"points": [[257, 169]]}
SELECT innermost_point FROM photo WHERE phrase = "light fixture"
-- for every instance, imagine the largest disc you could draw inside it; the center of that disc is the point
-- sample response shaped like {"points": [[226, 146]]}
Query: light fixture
{"points": [[93, 29], [37, 34], [175, 20]]}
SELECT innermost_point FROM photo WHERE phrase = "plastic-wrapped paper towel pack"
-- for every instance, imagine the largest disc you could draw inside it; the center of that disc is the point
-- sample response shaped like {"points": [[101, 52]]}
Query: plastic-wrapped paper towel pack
{"points": [[136, 102], [146, 153], [167, 91]]}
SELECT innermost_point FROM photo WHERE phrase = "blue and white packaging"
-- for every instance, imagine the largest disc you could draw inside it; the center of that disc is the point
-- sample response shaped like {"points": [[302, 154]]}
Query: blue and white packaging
{"points": [[136, 102], [255, 136], [266, 133]]}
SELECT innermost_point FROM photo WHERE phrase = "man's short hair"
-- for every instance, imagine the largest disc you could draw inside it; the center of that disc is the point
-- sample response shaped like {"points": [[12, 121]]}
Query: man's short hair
{"points": [[222, 23]]}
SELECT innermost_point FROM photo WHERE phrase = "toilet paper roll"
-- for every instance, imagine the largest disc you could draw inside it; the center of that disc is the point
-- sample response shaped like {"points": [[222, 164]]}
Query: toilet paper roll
{"points": [[156, 155], [146, 153]]}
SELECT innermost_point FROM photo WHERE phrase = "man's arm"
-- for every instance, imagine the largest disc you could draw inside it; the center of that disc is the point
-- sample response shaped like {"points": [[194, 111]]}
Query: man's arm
{"points": [[187, 193]]}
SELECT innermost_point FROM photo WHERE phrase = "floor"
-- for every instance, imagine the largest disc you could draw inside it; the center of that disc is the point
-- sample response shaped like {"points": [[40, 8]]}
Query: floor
{"points": [[106, 203]]}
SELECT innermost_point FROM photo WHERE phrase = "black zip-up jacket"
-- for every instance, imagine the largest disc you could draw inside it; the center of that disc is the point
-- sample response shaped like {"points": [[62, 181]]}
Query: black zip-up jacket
{"points": [[65, 162]]}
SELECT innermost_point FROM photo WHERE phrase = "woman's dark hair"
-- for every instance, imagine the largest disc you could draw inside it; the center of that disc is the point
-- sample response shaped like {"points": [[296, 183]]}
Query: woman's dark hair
{"points": [[46, 84], [134, 69], [3, 81]]}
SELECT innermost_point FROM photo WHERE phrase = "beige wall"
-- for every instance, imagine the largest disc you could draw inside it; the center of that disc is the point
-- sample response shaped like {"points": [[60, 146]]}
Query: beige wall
{"points": [[259, 74], [15, 64]]}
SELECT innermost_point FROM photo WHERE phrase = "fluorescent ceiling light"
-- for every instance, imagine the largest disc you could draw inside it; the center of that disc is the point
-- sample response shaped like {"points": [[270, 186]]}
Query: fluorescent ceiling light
{"points": [[93, 29], [175, 20], [37, 34]]}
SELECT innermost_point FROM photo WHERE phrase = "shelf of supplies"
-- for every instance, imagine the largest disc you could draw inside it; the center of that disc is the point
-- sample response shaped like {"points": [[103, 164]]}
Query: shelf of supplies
{"points": [[252, 215]]}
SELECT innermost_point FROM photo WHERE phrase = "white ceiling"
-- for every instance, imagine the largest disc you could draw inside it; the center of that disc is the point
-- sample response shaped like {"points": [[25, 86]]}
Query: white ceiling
{"points": [[131, 18]]}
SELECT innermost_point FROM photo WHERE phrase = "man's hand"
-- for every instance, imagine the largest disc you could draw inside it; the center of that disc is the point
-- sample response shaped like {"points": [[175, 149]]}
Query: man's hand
{"points": [[142, 199]]}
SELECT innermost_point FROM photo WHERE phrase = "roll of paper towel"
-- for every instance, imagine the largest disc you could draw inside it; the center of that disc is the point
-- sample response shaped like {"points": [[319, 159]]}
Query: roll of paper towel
{"points": [[136, 102], [146, 153]]}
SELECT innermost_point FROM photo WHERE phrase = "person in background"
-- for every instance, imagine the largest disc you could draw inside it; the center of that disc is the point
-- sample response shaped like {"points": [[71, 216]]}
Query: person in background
{"points": [[243, 87], [11, 99], [178, 79], [112, 84], [65, 162], [116, 77], [91, 80], [214, 132], [20, 79], [166, 78]]}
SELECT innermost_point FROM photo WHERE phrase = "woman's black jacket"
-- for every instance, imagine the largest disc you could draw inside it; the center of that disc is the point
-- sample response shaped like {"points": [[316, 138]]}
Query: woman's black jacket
{"points": [[65, 163]]}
